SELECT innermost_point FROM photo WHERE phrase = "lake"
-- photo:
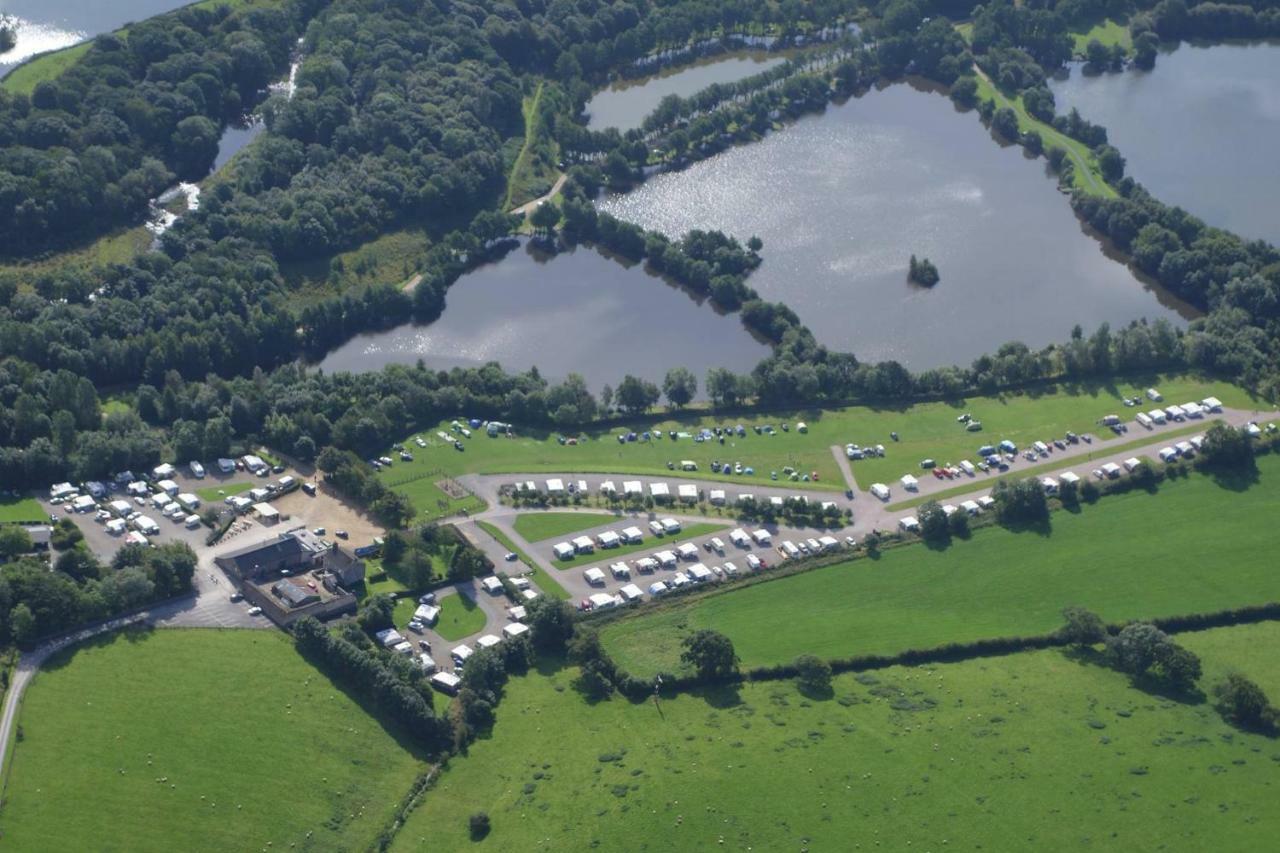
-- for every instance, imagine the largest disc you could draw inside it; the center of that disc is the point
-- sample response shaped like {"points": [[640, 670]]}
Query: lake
{"points": [[843, 199], [626, 103], [52, 24], [1200, 130], [577, 311]]}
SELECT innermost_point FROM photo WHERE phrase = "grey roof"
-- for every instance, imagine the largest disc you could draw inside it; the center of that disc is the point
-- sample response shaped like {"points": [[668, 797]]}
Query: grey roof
{"points": [[293, 595]]}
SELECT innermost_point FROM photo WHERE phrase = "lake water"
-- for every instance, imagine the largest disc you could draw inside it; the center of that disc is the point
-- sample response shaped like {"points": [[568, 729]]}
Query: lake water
{"points": [[625, 103], [843, 199], [1200, 130], [52, 24], [577, 311], [235, 137]]}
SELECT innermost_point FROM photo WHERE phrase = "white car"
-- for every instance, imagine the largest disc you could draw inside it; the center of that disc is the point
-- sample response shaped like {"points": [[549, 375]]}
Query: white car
{"points": [[255, 611]]}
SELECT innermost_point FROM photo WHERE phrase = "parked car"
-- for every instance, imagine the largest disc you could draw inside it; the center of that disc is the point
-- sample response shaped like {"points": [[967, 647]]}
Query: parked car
{"points": [[255, 611]]}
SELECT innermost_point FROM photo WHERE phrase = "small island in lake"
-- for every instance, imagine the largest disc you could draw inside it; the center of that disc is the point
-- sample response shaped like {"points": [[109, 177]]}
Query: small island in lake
{"points": [[922, 271]]}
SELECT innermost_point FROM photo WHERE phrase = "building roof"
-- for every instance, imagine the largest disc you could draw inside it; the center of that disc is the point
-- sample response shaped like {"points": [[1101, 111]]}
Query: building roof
{"points": [[287, 545], [293, 595]]}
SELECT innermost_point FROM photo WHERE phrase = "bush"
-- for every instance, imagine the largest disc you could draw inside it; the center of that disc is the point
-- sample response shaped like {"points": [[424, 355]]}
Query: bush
{"points": [[1242, 702], [478, 823], [813, 675]]}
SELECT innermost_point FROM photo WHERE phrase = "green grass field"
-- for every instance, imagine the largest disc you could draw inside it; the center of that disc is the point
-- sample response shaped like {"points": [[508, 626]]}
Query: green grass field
{"points": [[1108, 32], [1251, 650], [13, 510], [650, 543], [549, 585], [183, 739], [1086, 175], [218, 493], [925, 429], [1194, 547], [1036, 751], [537, 526], [459, 617]]}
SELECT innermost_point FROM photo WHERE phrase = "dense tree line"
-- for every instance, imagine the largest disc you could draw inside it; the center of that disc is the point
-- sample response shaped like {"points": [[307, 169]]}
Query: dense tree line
{"points": [[87, 151], [391, 683], [36, 601], [199, 338]]}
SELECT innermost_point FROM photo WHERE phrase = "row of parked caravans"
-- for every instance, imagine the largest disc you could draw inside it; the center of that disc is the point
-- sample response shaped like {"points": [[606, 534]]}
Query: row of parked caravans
{"points": [[911, 524], [1186, 411]]}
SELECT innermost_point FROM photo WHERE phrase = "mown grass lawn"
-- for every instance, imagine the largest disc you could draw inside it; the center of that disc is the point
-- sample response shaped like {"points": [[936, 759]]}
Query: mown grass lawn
{"points": [[650, 543], [1193, 547], [14, 510], [926, 430], [221, 491], [536, 526], [1108, 32], [459, 617], [197, 739], [544, 581], [1034, 751]]}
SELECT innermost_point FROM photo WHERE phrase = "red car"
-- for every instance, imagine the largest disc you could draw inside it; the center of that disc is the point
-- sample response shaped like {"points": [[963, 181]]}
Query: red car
{"points": [[937, 472]]}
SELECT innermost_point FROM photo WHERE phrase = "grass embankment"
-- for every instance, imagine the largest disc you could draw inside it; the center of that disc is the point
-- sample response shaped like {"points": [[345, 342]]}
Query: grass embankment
{"points": [[651, 543], [1086, 176], [534, 170], [1109, 33], [1027, 751], [459, 617], [1083, 465], [926, 430], [536, 526], [14, 510], [47, 66], [544, 581], [228, 737], [1194, 547]]}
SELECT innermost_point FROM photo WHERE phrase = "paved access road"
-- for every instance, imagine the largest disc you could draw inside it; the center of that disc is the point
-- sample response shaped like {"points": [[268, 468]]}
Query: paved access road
{"points": [[869, 514]]}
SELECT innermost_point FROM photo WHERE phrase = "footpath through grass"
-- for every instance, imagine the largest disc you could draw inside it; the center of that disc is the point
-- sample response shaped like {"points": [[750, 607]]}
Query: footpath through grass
{"points": [[925, 430], [536, 526], [650, 543], [459, 617], [1086, 175], [1193, 547], [1021, 752], [179, 739], [544, 581]]}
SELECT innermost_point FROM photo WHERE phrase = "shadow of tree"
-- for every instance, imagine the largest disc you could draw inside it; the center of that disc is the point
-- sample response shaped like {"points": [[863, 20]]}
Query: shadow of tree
{"points": [[818, 693]]}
